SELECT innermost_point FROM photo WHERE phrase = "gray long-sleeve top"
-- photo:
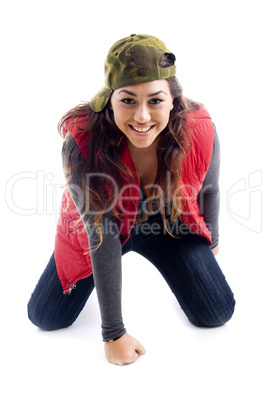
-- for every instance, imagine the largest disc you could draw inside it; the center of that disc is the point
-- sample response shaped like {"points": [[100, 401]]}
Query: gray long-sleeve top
{"points": [[106, 260]]}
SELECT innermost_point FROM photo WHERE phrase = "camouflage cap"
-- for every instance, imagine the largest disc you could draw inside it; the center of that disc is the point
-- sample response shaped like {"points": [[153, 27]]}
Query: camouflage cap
{"points": [[133, 60]]}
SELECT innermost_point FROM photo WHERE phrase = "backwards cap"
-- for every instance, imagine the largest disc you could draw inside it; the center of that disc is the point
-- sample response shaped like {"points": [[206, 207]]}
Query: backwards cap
{"points": [[133, 60]]}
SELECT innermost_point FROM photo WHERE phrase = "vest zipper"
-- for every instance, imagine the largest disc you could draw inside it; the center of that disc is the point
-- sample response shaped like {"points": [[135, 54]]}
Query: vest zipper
{"points": [[71, 289]]}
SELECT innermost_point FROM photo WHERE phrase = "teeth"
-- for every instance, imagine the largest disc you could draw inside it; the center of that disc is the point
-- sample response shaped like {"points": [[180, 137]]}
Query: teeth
{"points": [[142, 130]]}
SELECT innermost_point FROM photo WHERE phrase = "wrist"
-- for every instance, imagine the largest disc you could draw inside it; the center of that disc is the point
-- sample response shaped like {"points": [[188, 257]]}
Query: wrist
{"points": [[113, 337], [113, 340]]}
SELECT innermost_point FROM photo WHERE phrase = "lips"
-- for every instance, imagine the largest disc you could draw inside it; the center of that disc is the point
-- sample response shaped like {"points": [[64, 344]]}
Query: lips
{"points": [[141, 130]]}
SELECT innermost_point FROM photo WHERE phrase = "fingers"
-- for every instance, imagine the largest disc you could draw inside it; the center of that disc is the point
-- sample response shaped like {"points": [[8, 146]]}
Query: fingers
{"points": [[125, 350], [140, 350]]}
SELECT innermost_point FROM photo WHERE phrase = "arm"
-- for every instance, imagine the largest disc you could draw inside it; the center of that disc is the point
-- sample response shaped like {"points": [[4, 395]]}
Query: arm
{"points": [[106, 264], [209, 196]]}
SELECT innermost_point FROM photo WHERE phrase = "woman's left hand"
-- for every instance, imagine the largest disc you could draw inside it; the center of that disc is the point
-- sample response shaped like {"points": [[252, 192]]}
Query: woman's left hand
{"points": [[124, 350], [215, 250]]}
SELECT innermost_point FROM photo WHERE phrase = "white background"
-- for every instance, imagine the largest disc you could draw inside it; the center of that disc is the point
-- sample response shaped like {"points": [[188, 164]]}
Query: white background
{"points": [[52, 56]]}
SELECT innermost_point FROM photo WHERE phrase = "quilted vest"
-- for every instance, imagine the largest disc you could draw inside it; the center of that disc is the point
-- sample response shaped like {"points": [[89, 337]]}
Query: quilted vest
{"points": [[72, 254]]}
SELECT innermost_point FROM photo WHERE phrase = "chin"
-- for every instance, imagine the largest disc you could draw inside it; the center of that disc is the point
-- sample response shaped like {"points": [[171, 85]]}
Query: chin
{"points": [[143, 146]]}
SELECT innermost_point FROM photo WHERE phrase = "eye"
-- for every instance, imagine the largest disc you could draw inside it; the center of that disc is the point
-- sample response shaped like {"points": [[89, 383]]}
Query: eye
{"points": [[155, 101], [128, 101]]}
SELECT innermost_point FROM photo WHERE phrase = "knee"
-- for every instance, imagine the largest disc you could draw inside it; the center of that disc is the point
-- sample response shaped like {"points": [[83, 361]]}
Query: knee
{"points": [[34, 316], [41, 320], [214, 317]]}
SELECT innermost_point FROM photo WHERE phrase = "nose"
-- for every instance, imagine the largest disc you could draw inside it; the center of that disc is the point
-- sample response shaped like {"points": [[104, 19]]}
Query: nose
{"points": [[142, 114]]}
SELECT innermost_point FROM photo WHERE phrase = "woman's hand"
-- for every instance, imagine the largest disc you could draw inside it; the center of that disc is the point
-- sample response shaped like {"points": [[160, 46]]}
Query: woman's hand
{"points": [[124, 350], [215, 250]]}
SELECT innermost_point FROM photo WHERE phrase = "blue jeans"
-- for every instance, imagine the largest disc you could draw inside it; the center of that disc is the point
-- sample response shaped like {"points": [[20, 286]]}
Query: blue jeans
{"points": [[186, 263]]}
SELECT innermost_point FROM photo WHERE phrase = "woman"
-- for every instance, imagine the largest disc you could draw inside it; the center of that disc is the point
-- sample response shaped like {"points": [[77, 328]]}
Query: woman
{"points": [[142, 169]]}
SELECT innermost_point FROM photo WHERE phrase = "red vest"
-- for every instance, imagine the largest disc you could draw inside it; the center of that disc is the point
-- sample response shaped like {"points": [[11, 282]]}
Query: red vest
{"points": [[71, 243]]}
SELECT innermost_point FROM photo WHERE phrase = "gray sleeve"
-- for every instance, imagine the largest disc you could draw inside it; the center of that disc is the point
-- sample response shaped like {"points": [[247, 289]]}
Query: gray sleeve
{"points": [[209, 195], [106, 260]]}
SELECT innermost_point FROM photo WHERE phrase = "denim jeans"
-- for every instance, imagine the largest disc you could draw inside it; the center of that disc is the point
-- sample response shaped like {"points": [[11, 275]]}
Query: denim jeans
{"points": [[186, 263]]}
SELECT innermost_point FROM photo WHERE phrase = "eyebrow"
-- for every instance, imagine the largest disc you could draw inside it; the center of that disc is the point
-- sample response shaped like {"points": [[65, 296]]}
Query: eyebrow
{"points": [[149, 96]]}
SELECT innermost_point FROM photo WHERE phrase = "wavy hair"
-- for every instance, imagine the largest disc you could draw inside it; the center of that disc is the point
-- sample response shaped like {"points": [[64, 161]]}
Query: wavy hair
{"points": [[104, 157]]}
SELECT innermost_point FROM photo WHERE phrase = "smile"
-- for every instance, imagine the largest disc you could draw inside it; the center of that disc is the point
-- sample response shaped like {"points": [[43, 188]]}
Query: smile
{"points": [[141, 129]]}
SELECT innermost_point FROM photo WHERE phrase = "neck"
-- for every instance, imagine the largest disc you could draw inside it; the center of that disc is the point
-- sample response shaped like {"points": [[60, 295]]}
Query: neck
{"points": [[143, 152]]}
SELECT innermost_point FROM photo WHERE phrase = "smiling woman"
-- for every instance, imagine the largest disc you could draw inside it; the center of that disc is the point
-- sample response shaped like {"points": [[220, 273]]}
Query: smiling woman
{"points": [[145, 113], [138, 156]]}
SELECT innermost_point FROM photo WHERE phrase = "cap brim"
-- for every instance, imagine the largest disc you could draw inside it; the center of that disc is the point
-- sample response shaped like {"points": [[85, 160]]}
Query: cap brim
{"points": [[100, 100]]}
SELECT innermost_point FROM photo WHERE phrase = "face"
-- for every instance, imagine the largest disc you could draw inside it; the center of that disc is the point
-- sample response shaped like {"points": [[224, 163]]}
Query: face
{"points": [[142, 111]]}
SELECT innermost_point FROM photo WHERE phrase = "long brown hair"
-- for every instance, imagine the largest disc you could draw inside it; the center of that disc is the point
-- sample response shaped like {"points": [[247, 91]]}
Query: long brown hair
{"points": [[104, 157]]}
